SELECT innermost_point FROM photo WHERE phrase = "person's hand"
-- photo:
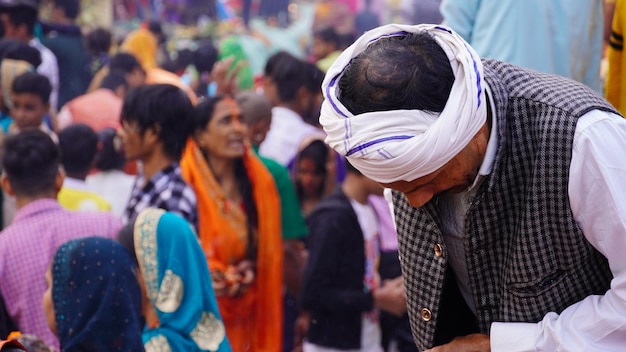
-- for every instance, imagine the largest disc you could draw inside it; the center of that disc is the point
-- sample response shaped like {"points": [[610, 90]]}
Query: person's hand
{"points": [[301, 329], [246, 271], [469, 343], [224, 77], [219, 283], [391, 297]]}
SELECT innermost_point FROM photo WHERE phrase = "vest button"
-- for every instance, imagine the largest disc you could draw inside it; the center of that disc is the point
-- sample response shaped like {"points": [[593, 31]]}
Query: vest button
{"points": [[438, 250], [426, 314]]}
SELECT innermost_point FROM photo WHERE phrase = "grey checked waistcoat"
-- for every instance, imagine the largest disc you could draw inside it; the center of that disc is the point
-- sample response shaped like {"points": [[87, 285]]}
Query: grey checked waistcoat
{"points": [[525, 254]]}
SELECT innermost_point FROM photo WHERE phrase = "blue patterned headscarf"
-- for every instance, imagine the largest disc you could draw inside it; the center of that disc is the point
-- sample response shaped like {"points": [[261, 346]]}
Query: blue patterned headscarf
{"points": [[96, 296], [178, 284]]}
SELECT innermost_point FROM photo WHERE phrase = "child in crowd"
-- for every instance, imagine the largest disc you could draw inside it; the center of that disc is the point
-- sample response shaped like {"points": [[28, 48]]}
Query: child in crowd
{"points": [[79, 148], [30, 103], [342, 289], [111, 182]]}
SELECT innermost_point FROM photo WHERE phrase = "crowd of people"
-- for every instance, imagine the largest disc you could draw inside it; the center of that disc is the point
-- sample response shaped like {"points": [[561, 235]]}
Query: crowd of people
{"points": [[312, 179]]}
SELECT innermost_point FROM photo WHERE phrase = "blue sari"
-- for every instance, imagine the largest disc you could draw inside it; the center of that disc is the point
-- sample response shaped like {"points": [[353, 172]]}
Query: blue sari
{"points": [[96, 297], [178, 284]]}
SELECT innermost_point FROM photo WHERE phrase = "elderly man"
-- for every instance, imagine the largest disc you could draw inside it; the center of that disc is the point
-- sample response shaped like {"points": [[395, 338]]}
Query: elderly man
{"points": [[512, 224]]}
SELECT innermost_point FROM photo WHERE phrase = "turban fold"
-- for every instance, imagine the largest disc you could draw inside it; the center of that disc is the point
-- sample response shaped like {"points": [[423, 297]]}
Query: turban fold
{"points": [[395, 145]]}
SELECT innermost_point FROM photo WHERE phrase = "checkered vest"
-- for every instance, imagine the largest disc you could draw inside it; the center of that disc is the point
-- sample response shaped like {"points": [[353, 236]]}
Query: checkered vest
{"points": [[525, 254]]}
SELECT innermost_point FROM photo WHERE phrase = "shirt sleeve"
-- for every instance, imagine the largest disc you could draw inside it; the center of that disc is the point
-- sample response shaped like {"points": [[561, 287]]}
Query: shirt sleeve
{"points": [[597, 194], [460, 15]]}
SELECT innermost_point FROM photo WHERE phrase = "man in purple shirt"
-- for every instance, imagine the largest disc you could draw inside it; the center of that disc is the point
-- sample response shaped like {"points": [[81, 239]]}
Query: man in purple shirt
{"points": [[31, 173]]}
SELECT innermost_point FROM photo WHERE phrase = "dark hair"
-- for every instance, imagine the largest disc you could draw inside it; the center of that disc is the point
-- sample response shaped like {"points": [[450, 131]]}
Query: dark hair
{"points": [[114, 80], [274, 61], [313, 77], [317, 152], [170, 66], [109, 157], [289, 75], [33, 83], [70, 8], [345, 40], [202, 116], [327, 35], [164, 108], [22, 15], [31, 161], [184, 58], [402, 72], [351, 169], [98, 41], [205, 57], [203, 112], [124, 62], [154, 26], [79, 147], [17, 50], [126, 237]]}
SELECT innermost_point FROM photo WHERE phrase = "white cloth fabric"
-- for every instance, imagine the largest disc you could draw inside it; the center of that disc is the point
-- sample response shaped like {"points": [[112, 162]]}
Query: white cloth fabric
{"points": [[50, 68], [287, 131], [390, 146], [115, 186]]}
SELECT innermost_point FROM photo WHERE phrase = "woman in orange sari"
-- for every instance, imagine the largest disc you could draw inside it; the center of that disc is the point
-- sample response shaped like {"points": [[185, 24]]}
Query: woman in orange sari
{"points": [[239, 226]]}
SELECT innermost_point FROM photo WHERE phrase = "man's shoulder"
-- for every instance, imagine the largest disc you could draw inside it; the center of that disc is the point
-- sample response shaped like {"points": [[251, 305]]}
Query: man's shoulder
{"points": [[99, 220], [57, 220], [335, 204]]}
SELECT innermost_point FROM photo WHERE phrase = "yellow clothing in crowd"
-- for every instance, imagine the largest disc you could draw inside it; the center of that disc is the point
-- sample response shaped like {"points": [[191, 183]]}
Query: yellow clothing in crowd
{"points": [[615, 89], [75, 196]]}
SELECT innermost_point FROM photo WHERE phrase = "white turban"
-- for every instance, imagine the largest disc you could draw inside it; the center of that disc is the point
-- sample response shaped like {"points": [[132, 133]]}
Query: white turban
{"points": [[389, 146]]}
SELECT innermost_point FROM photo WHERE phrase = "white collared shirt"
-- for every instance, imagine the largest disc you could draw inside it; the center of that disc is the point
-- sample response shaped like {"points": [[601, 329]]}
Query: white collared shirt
{"points": [[287, 131]]}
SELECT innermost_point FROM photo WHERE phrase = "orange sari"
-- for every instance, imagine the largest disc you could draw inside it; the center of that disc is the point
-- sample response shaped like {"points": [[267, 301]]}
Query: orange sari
{"points": [[254, 320]]}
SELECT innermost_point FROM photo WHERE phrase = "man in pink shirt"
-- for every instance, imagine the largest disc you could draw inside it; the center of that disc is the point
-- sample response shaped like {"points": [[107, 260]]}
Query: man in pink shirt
{"points": [[31, 173]]}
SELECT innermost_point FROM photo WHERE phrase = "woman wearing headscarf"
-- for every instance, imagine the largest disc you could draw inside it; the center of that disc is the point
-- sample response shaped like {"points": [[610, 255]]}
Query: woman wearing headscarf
{"points": [[93, 301], [179, 303], [239, 225]]}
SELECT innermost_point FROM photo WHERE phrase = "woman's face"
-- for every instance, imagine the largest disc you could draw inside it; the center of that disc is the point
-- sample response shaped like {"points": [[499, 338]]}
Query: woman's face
{"points": [[309, 178], [48, 305], [224, 136]]}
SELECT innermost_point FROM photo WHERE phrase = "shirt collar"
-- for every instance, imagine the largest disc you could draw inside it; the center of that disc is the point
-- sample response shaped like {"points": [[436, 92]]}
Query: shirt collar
{"points": [[37, 206], [165, 173], [492, 144], [75, 183]]}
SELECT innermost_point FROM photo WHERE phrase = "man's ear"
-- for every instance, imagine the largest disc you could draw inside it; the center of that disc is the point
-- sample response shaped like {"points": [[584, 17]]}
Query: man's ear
{"points": [[58, 181], [120, 91], [303, 96], [151, 135], [6, 185]]}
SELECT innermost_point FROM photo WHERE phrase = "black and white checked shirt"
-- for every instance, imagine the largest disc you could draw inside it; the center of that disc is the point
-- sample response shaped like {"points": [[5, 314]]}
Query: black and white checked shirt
{"points": [[165, 190]]}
